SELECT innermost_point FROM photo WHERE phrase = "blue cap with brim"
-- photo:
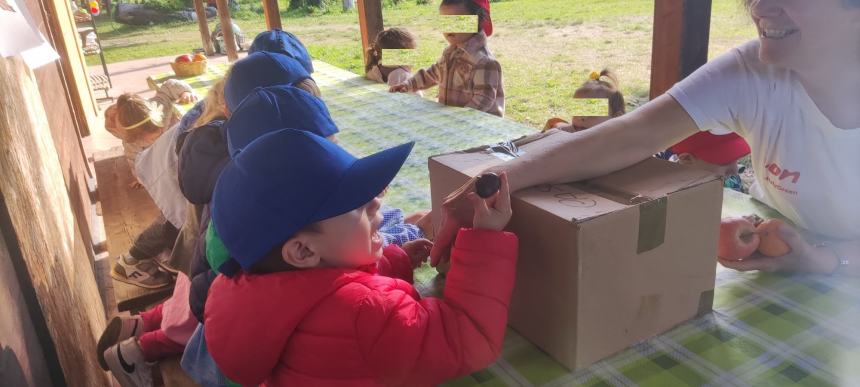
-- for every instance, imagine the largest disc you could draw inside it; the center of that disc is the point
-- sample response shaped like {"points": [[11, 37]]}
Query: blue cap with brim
{"points": [[261, 69], [273, 108], [286, 180], [283, 42]]}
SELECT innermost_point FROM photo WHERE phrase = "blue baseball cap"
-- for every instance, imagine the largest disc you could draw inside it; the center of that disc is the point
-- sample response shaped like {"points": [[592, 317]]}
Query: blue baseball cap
{"points": [[286, 180], [276, 107], [283, 42], [261, 69]]}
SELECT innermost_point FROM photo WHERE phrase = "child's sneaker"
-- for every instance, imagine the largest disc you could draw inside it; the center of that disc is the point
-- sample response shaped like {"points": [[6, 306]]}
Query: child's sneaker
{"points": [[144, 273], [125, 360], [118, 329]]}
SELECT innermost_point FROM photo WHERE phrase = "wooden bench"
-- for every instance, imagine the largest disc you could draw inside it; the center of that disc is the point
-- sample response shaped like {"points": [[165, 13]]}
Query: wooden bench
{"points": [[126, 212], [172, 374]]}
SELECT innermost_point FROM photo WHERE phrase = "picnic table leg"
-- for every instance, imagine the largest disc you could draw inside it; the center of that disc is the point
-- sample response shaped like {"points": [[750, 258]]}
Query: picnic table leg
{"points": [[227, 30], [203, 24], [273, 15]]}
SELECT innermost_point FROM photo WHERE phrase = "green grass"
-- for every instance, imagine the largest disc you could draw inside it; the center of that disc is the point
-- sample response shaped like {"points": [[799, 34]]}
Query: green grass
{"points": [[546, 47]]}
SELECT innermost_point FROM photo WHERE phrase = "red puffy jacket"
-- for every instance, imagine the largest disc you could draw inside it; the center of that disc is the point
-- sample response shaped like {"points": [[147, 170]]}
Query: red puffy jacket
{"points": [[338, 327]]}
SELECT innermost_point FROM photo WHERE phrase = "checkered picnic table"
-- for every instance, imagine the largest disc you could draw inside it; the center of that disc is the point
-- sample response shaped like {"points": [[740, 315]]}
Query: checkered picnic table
{"points": [[765, 330], [200, 83]]}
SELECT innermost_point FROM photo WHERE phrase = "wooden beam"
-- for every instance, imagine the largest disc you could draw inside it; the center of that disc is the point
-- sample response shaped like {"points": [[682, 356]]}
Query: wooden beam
{"points": [[203, 25], [680, 42], [370, 23], [273, 14], [227, 30]]}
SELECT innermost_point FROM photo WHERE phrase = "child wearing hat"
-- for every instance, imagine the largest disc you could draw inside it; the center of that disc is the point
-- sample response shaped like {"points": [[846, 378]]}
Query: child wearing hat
{"points": [[468, 74], [307, 293]]}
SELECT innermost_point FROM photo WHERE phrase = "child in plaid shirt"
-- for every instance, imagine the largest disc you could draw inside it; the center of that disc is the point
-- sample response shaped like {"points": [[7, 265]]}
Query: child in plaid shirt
{"points": [[468, 74]]}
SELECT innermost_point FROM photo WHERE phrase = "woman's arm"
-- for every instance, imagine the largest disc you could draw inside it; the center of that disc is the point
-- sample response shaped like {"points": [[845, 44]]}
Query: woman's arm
{"points": [[608, 147], [565, 157]]}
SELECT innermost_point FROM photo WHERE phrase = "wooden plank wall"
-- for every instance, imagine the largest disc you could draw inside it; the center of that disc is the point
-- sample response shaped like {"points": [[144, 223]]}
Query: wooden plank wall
{"points": [[64, 119], [22, 362], [39, 224]]}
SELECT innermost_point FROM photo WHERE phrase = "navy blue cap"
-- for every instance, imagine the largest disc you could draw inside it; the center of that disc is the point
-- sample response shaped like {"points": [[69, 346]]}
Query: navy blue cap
{"points": [[286, 180], [283, 42], [261, 69], [273, 108]]}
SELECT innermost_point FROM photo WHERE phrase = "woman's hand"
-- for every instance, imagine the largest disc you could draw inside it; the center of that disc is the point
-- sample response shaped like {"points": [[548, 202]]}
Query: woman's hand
{"points": [[803, 258]]}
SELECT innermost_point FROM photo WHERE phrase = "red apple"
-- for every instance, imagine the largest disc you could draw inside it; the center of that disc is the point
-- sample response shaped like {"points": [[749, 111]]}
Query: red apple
{"points": [[771, 244], [738, 239], [183, 59]]}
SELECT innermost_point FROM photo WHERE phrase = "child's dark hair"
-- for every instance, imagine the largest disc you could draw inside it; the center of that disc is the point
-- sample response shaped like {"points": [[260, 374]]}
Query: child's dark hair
{"points": [[474, 9], [604, 85], [391, 38], [273, 261], [131, 110]]}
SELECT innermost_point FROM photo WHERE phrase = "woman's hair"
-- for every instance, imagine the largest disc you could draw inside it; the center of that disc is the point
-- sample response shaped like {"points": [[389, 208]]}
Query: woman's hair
{"points": [[213, 105], [604, 85], [135, 116], [474, 9], [388, 39]]}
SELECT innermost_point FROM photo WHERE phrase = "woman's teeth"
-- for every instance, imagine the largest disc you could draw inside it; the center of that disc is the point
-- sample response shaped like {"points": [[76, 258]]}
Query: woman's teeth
{"points": [[776, 34]]}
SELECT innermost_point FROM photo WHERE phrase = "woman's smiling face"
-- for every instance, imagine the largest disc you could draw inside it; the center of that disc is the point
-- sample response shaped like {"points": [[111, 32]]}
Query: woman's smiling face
{"points": [[799, 34]]}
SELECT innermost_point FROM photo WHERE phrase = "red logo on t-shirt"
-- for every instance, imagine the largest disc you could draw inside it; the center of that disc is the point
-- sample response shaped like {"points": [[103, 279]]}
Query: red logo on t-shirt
{"points": [[782, 175]]}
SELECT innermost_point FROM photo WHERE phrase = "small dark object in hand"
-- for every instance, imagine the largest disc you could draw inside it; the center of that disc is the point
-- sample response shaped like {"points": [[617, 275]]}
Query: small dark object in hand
{"points": [[487, 185]]}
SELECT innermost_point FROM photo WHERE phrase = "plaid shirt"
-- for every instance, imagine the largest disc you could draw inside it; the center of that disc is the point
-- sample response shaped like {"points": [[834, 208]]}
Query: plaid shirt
{"points": [[468, 76], [394, 228]]}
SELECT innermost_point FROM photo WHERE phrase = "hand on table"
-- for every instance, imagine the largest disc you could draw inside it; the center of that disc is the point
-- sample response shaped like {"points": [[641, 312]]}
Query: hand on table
{"points": [[187, 97], [418, 251], [803, 257], [401, 88]]}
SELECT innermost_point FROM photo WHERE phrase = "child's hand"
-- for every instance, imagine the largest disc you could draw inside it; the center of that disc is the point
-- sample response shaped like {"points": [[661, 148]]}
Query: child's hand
{"points": [[492, 213], [187, 97], [136, 184], [418, 251], [401, 88]]}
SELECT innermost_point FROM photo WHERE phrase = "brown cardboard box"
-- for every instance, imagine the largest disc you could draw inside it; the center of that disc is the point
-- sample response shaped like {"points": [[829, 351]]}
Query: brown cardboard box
{"points": [[605, 263]]}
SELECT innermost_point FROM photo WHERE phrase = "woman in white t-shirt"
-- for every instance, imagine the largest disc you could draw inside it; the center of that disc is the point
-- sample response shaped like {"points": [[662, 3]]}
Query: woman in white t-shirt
{"points": [[793, 94]]}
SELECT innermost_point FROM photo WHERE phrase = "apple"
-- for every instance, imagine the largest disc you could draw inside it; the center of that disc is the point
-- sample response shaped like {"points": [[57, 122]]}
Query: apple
{"points": [[183, 59], [198, 57], [738, 239], [771, 244]]}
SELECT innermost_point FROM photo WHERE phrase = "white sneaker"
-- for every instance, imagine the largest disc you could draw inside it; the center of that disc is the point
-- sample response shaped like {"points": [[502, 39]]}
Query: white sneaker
{"points": [[125, 360], [118, 329], [144, 273]]}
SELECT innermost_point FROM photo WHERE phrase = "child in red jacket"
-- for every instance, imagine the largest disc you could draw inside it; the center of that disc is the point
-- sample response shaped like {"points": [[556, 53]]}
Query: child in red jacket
{"points": [[303, 300]]}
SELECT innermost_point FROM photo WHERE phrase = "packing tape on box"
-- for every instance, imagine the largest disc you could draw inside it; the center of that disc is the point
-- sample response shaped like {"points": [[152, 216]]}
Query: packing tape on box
{"points": [[652, 213]]}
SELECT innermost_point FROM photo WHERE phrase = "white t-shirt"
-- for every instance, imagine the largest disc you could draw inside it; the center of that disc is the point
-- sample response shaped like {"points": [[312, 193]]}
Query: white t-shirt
{"points": [[805, 167]]}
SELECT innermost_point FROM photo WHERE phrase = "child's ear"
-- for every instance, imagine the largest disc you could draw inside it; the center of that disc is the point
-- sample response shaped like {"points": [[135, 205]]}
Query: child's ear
{"points": [[299, 253]]}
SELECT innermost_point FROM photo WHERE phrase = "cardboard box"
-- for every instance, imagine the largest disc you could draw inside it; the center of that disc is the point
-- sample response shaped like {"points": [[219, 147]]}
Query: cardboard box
{"points": [[608, 262]]}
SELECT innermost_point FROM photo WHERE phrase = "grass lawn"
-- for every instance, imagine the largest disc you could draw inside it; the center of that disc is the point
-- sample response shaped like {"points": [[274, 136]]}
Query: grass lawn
{"points": [[546, 47]]}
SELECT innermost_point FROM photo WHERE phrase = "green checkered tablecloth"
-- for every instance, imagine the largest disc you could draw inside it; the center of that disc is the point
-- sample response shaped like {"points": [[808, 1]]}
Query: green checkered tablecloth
{"points": [[766, 330]]}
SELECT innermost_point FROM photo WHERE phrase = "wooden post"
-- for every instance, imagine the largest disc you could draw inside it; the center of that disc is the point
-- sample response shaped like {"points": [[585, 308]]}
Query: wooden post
{"points": [[370, 23], [203, 25], [273, 14], [227, 30], [680, 43]]}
